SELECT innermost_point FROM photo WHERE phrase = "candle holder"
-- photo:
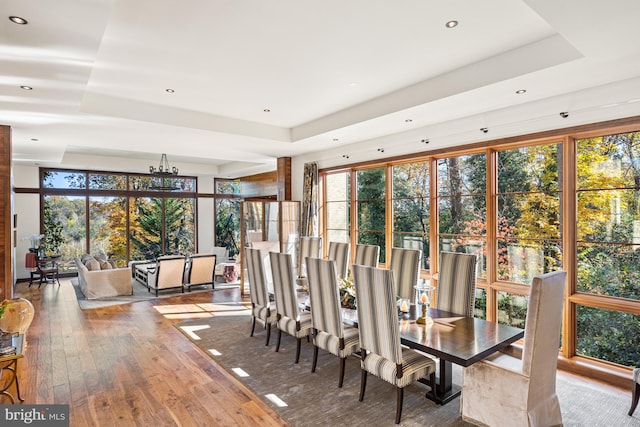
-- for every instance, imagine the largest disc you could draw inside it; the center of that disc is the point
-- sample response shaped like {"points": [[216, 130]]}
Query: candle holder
{"points": [[404, 305], [423, 297]]}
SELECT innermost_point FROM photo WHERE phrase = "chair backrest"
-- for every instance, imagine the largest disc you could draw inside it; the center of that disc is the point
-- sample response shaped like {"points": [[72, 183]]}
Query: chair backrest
{"points": [[324, 296], [377, 313], [170, 270], [221, 253], [201, 268], [405, 264], [457, 283], [542, 328], [309, 247], [265, 247], [284, 285], [258, 285], [367, 255], [339, 253]]}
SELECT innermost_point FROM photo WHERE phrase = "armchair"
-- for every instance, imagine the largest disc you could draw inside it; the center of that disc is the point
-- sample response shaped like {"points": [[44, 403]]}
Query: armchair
{"points": [[200, 270], [167, 273]]}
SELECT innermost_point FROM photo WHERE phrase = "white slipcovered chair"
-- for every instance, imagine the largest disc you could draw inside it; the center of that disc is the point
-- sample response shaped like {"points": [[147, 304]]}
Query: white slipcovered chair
{"points": [[505, 391]]}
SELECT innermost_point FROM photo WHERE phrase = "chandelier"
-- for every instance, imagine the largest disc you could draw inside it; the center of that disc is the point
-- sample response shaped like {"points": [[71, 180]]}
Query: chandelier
{"points": [[163, 168]]}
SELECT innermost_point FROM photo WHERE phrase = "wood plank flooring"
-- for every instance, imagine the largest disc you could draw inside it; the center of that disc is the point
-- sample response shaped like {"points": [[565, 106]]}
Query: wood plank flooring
{"points": [[127, 365]]}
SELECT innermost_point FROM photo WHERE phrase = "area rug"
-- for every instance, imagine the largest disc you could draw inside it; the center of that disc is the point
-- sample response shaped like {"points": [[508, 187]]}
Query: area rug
{"points": [[314, 399], [140, 293]]}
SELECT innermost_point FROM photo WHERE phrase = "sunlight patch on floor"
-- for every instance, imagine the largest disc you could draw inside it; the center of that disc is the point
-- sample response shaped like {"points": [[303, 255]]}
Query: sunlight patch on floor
{"points": [[240, 372], [229, 306], [190, 330], [214, 352], [276, 400], [176, 316], [178, 308]]}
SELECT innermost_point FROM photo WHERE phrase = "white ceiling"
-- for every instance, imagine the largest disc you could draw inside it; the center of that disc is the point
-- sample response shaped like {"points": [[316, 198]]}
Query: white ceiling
{"points": [[337, 76]]}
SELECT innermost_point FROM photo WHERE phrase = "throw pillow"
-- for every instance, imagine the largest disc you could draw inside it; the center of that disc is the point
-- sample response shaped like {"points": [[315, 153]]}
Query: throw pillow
{"points": [[93, 265], [105, 265]]}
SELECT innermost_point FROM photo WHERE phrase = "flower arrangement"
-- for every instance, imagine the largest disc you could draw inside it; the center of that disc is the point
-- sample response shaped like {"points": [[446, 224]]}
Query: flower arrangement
{"points": [[35, 240], [347, 292]]}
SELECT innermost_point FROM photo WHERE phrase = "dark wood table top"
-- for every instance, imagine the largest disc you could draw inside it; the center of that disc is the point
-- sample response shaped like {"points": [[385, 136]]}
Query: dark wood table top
{"points": [[455, 338]]}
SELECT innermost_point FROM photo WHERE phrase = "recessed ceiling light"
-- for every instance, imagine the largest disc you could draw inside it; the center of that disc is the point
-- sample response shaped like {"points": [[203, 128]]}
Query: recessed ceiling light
{"points": [[408, 120], [26, 87], [451, 24], [35, 139], [266, 110], [335, 140], [484, 130], [521, 91], [18, 20], [169, 90]]}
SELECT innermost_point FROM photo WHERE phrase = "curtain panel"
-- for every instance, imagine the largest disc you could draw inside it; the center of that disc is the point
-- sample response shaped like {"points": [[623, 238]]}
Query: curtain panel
{"points": [[309, 215]]}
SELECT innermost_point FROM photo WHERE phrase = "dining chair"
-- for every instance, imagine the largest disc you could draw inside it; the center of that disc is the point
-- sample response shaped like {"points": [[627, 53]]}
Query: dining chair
{"points": [[380, 350], [523, 391], [329, 333], [456, 290], [635, 394], [405, 265], [339, 253], [288, 316], [261, 307], [309, 247], [367, 255]]}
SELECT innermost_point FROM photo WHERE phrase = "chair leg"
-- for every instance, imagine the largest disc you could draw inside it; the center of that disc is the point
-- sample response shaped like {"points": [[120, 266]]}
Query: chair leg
{"points": [[363, 384], [298, 344], [315, 358], [634, 398], [343, 361], [399, 404], [278, 343], [434, 387], [268, 328], [253, 325]]}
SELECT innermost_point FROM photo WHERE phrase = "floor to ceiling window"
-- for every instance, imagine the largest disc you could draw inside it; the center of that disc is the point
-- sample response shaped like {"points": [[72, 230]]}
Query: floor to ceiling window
{"points": [[227, 214], [371, 211], [124, 216], [337, 207], [608, 247], [525, 208]]}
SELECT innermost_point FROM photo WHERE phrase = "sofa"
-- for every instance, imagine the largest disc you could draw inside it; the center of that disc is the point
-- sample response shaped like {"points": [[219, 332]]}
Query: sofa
{"points": [[99, 278]]}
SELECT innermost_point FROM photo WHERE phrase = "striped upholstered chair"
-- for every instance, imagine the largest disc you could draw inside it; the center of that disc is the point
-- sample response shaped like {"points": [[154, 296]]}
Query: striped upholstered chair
{"points": [[261, 308], [381, 352], [367, 255], [326, 317], [635, 394], [405, 264], [339, 253], [457, 283], [289, 317], [309, 247]]}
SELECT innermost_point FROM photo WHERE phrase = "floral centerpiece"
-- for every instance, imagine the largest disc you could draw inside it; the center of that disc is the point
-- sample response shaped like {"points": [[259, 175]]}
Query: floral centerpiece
{"points": [[347, 292]]}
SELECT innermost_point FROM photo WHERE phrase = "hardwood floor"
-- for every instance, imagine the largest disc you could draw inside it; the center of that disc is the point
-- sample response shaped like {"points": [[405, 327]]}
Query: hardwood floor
{"points": [[127, 365]]}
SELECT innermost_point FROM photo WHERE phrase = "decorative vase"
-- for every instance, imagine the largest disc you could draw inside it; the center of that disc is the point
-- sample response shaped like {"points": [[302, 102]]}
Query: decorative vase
{"points": [[17, 316]]}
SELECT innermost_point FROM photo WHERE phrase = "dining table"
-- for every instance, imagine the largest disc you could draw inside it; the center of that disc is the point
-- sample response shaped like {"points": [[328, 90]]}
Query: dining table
{"points": [[452, 338]]}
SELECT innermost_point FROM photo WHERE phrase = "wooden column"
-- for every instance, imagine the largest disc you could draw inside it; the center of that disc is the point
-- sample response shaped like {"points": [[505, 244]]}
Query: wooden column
{"points": [[6, 250], [284, 178]]}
